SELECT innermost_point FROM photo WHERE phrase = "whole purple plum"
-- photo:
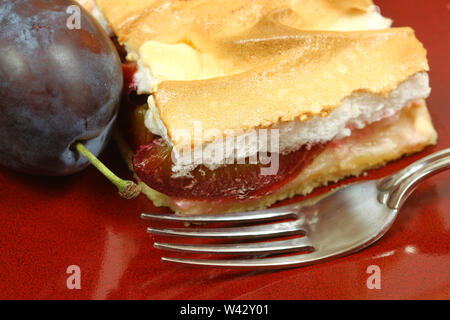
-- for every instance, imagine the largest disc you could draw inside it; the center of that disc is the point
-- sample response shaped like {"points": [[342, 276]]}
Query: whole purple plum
{"points": [[58, 85]]}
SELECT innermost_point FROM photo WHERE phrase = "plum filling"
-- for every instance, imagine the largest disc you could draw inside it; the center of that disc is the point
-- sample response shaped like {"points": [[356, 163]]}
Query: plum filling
{"points": [[153, 165]]}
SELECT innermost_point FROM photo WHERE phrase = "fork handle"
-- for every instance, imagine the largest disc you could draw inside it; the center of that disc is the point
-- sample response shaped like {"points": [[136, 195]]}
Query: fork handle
{"points": [[393, 180], [399, 187]]}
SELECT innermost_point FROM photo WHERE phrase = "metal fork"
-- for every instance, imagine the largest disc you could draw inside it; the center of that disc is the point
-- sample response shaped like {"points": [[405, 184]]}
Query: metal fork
{"points": [[339, 223]]}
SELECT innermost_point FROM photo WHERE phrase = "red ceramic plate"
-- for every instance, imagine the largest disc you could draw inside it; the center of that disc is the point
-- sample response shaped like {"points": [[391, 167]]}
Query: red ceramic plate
{"points": [[49, 224]]}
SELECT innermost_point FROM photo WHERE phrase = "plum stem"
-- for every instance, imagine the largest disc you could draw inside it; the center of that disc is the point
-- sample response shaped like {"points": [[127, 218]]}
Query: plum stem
{"points": [[127, 189]]}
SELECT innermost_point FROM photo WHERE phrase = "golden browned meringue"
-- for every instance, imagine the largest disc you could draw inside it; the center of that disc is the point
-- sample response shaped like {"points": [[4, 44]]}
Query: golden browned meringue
{"points": [[201, 21]]}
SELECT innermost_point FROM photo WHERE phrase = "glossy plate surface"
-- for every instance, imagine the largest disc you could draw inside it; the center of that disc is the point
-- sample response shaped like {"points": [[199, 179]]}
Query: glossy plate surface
{"points": [[48, 225]]}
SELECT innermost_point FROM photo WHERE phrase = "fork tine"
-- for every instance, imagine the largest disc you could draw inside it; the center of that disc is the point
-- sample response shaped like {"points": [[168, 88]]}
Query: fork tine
{"points": [[252, 216], [261, 231], [297, 244], [254, 264]]}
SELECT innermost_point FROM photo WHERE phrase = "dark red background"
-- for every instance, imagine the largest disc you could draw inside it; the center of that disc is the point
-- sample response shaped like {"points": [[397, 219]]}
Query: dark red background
{"points": [[48, 224]]}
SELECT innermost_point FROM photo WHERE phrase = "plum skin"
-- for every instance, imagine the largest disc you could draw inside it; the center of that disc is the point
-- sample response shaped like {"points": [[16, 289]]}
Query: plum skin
{"points": [[57, 86]]}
